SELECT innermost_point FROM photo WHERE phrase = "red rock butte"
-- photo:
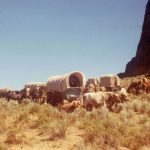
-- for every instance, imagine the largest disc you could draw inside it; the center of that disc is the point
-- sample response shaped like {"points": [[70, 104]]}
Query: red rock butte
{"points": [[140, 64]]}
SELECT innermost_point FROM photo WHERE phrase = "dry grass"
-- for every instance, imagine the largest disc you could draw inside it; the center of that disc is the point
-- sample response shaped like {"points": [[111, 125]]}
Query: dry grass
{"points": [[3, 147], [101, 128], [55, 130], [14, 138]]}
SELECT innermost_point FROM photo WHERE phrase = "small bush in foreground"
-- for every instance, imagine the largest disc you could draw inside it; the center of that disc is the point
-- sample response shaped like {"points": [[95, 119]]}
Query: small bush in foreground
{"points": [[55, 129], [14, 138], [3, 147], [126, 129]]}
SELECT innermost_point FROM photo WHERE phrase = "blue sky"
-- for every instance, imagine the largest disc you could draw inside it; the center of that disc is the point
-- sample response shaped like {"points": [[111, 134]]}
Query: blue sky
{"points": [[40, 38]]}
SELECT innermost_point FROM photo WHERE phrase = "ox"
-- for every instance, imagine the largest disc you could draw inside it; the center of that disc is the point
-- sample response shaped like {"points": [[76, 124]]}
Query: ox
{"points": [[140, 86], [107, 99], [19, 96], [90, 100], [68, 107]]}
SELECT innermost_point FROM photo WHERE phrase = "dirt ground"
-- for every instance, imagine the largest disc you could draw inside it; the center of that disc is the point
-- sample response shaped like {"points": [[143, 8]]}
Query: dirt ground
{"points": [[36, 141], [72, 141]]}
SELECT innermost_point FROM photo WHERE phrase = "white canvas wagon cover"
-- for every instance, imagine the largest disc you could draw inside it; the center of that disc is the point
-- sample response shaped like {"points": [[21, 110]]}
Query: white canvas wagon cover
{"points": [[4, 90], [35, 85], [109, 80], [92, 80], [60, 83]]}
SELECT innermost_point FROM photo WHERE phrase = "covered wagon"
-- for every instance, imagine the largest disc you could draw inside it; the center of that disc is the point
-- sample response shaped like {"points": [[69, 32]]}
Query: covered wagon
{"points": [[68, 86], [4, 92], [93, 81], [110, 82], [35, 85], [92, 84]]}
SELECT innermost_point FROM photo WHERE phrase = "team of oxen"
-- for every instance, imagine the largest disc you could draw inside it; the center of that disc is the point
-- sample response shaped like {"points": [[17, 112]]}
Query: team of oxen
{"points": [[140, 86], [93, 96], [36, 95]]}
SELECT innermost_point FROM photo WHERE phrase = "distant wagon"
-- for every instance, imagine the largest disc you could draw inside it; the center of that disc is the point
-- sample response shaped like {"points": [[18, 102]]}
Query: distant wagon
{"points": [[35, 85], [93, 81], [68, 86], [4, 92], [110, 82], [92, 85]]}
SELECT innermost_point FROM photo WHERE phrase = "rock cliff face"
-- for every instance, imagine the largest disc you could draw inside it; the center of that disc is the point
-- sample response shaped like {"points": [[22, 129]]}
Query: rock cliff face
{"points": [[140, 64]]}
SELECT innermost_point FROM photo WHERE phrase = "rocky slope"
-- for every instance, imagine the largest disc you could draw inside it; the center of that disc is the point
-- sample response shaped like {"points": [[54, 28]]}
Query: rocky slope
{"points": [[140, 64]]}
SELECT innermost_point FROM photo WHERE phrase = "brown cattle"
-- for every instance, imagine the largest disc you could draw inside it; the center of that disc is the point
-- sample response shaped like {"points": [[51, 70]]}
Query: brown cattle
{"points": [[140, 86], [19, 96], [112, 101], [35, 95], [68, 107], [132, 87], [42, 95]]}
